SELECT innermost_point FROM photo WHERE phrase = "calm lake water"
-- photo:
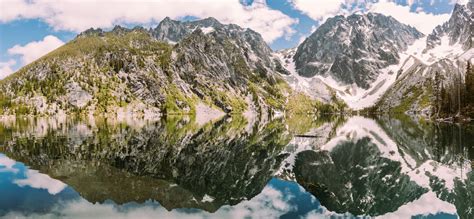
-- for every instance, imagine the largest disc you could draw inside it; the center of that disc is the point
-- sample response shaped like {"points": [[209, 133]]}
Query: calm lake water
{"points": [[337, 167]]}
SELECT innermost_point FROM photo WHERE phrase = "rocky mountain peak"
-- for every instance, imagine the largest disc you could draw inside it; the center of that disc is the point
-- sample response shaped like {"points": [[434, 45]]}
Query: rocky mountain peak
{"points": [[91, 32], [119, 30], [458, 29], [353, 49], [173, 31], [139, 71], [169, 30], [208, 22]]}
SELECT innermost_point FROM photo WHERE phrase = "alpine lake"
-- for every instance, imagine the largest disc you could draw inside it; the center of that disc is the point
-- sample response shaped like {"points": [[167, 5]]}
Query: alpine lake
{"points": [[304, 167]]}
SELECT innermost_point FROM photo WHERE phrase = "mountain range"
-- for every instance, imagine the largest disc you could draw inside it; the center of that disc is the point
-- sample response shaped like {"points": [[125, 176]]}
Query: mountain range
{"points": [[349, 63]]}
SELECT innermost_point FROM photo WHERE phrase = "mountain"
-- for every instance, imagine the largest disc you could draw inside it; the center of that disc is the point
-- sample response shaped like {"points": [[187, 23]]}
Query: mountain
{"points": [[253, 46], [351, 58], [353, 49], [359, 61], [169, 69], [439, 60], [358, 185], [458, 29], [174, 162], [381, 167]]}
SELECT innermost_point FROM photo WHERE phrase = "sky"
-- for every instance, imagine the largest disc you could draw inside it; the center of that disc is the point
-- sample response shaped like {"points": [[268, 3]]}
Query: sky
{"points": [[30, 29]]}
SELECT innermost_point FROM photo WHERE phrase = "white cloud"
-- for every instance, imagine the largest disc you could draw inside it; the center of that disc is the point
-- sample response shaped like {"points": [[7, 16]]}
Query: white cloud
{"points": [[34, 50], [38, 180], [270, 203], [80, 15], [6, 68], [17, 9], [6, 164], [320, 9], [422, 21], [427, 204], [34, 178]]}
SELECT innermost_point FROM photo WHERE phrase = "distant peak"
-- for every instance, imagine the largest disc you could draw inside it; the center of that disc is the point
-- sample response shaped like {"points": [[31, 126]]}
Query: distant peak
{"points": [[119, 28], [167, 21], [464, 2], [91, 32], [463, 5], [208, 22], [139, 29], [211, 19]]}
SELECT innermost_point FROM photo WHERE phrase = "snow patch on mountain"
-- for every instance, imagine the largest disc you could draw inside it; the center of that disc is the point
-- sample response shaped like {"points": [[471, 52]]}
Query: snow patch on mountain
{"points": [[313, 87], [358, 98], [207, 30], [442, 51], [427, 204], [355, 97], [359, 127]]}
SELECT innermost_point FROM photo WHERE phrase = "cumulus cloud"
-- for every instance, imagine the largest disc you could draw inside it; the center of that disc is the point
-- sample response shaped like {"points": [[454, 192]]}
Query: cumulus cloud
{"points": [[6, 68], [422, 21], [17, 9], [33, 50], [38, 180], [270, 203], [320, 10], [6, 164], [80, 15]]}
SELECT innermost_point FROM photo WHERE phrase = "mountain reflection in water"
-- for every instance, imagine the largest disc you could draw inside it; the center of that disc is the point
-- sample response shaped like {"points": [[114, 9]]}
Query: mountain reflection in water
{"points": [[384, 167]]}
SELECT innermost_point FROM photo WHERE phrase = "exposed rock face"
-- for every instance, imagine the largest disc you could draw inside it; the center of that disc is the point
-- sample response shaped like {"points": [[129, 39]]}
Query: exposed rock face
{"points": [[447, 51], [459, 28], [353, 49], [77, 96], [105, 71], [354, 178], [175, 163], [412, 92], [250, 42]]}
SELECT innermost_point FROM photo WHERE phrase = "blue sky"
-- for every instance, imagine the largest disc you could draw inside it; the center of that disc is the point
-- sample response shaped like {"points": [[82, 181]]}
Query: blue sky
{"points": [[25, 24]]}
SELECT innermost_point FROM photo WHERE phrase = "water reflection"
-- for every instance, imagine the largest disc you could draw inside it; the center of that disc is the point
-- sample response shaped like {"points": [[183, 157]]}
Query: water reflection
{"points": [[391, 167], [325, 167]]}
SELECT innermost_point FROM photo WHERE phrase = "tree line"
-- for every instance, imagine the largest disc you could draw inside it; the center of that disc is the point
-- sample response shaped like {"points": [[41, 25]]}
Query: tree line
{"points": [[454, 98]]}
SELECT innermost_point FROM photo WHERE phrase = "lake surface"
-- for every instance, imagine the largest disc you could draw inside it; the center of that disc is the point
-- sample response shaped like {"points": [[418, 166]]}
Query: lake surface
{"points": [[296, 168]]}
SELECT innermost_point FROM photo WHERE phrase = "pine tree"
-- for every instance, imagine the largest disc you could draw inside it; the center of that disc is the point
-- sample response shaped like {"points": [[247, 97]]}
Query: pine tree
{"points": [[469, 90], [460, 93], [444, 101], [437, 103], [469, 85]]}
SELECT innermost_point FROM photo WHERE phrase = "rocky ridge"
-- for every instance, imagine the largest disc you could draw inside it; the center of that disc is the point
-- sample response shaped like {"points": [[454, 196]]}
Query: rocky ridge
{"points": [[445, 52], [139, 72], [353, 49]]}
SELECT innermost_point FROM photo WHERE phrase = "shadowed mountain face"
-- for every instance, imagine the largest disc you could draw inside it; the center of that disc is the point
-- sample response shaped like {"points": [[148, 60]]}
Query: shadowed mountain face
{"points": [[440, 145], [174, 162], [447, 51], [354, 178], [459, 28], [139, 71], [354, 49], [391, 166]]}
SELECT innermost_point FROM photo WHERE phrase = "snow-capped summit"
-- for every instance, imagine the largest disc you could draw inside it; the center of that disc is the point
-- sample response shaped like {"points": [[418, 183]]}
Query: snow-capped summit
{"points": [[353, 49], [459, 29], [446, 52]]}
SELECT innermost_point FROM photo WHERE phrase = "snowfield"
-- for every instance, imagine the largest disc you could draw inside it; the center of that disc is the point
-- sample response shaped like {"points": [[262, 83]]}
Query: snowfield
{"points": [[359, 127], [357, 98]]}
